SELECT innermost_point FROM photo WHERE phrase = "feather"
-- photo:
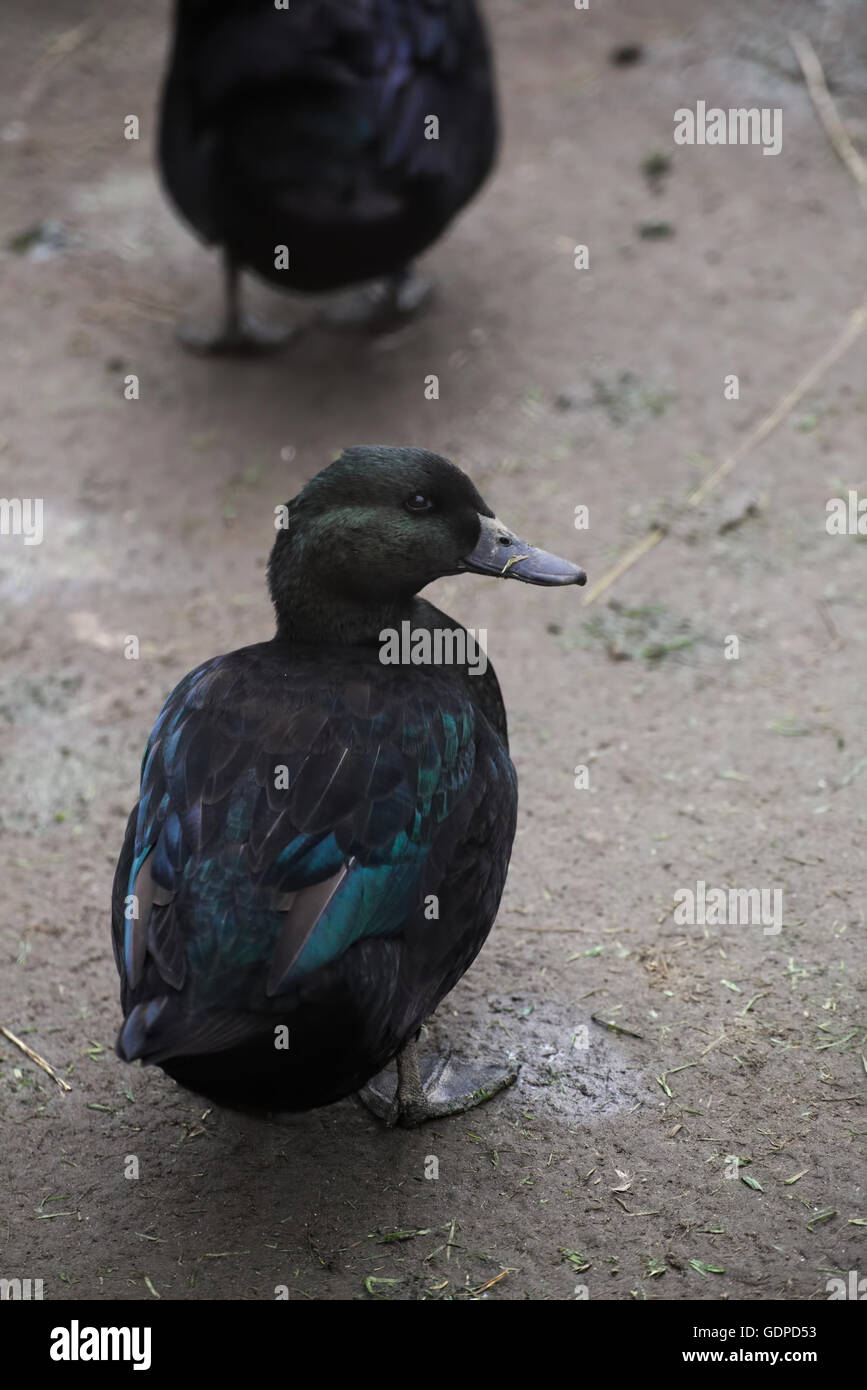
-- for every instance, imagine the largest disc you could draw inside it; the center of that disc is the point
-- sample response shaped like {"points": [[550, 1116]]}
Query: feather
{"points": [[303, 914]]}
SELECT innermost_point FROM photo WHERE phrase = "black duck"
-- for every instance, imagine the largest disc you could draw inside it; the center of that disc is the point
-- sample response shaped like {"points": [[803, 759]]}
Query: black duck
{"points": [[300, 140], [322, 839]]}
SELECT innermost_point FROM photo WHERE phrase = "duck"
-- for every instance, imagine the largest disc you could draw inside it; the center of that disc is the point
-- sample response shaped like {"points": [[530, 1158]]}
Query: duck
{"points": [[324, 144], [325, 819]]}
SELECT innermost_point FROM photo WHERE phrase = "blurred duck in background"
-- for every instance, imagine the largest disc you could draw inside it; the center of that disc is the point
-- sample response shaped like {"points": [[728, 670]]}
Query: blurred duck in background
{"points": [[325, 144]]}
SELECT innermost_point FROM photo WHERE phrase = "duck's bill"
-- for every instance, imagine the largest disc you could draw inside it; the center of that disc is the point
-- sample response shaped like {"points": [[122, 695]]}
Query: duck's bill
{"points": [[500, 552]]}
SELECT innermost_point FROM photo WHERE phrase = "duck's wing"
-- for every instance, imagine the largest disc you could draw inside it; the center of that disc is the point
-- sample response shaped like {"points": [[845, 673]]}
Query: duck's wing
{"points": [[282, 818], [327, 99]]}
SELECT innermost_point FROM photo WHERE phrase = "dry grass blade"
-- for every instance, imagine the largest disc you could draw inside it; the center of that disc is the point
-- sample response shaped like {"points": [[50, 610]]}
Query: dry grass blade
{"points": [[855, 326], [827, 111], [35, 1057], [614, 1027]]}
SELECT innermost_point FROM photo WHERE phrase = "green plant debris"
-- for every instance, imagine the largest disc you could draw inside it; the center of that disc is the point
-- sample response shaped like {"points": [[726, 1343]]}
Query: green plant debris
{"points": [[655, 165], [819, 1218], [389, 1237], [578, 1261], [49, 1215], [706, 1268], [663, 1079], [372, 1280], [615, 1027], [655, 231], [655, 651], [755, 998], [752, 1182], [839, 1042], [789, 726], [39, 241]]}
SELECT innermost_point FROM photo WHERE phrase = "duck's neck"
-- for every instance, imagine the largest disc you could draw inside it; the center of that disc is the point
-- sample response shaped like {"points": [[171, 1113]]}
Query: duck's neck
{"points": [[306, 614]]}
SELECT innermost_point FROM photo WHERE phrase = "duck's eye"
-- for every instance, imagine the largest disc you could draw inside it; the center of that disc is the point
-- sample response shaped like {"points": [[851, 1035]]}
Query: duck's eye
{"points": [[418, 503]]}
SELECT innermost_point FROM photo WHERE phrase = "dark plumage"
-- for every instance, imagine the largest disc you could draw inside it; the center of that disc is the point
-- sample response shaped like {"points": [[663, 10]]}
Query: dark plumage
{"points": [[307, 128], [303, 804]]}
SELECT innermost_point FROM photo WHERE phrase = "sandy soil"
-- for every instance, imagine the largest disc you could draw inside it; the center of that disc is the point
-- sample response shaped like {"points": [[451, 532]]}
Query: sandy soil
{"points": [[604, 1171]]}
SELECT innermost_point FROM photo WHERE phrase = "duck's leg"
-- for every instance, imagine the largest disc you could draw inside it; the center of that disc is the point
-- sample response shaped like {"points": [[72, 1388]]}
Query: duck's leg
{"points": [[237, 334], [439, 1086], [383, 305]]}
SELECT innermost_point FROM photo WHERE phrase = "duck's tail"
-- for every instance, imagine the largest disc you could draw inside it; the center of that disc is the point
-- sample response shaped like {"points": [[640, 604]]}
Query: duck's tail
{"points": [[159, 1028]]}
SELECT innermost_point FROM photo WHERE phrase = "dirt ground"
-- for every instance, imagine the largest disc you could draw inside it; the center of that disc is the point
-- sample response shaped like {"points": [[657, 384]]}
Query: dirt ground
{"points": [[607, 1171]]}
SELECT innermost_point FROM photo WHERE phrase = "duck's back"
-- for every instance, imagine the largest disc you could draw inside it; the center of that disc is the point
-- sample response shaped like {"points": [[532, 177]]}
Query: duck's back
{"points": [[350, 133], [320, 844]]}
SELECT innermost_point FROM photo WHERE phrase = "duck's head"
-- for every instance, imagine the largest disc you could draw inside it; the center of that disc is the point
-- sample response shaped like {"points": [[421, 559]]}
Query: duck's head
{"points": [[376, 526]]}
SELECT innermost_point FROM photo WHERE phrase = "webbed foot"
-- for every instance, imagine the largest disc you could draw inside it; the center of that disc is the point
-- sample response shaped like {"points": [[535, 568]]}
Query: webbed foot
{"points": [[242, 337], [437, 1086], [383, 305], [237, 334]]}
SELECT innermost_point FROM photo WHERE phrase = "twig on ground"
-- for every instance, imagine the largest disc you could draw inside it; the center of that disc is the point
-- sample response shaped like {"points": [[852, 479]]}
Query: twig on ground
{"points": [[855, 326], [827, 111], [35, 1057]]}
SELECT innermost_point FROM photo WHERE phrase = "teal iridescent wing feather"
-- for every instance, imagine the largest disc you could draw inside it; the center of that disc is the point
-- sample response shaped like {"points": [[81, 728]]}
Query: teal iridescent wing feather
{"points": [[282, 818]]}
